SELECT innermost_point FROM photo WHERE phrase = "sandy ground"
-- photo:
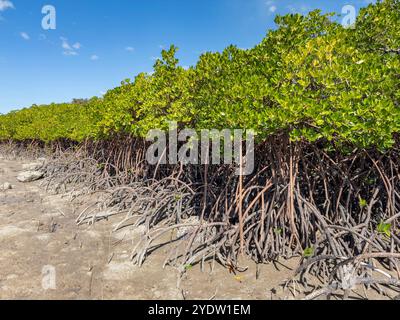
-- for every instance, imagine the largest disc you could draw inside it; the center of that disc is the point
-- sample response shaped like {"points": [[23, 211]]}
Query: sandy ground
{"points": [[45, 255]]}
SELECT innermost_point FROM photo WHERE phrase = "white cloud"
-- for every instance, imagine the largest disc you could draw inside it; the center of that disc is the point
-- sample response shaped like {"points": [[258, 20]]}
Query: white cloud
{"points": [[70, 53], [68, 49], [272, 9], [130, 49], [94, 57], [6, 4], [65, 45], [303, 9], [25, 36], [271, 6]]}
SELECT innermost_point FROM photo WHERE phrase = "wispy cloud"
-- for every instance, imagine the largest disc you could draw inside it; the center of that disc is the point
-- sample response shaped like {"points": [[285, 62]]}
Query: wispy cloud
{"points": [[94, 57], [65, 45], [6, 4], [25, 36], [70, 53], [130, 49], [69, 50], [300, 8], [271, 6]]}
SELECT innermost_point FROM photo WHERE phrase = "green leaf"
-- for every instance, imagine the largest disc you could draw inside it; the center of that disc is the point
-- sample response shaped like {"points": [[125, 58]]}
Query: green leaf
{"points": [[188, 267], [384, 228], [363, 203], [308, 252]]}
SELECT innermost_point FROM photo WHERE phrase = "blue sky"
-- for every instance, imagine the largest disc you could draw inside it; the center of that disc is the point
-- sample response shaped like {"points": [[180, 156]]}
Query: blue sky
{"points": [[99, 43]]}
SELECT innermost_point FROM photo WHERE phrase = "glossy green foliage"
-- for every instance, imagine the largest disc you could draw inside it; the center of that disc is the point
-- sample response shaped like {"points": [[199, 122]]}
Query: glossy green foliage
{"points": [[51, 122], [311, 78]]}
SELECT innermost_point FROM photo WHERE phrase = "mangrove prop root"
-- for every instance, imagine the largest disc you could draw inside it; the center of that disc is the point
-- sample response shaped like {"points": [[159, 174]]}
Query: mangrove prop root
{"points": [[339, 212]]}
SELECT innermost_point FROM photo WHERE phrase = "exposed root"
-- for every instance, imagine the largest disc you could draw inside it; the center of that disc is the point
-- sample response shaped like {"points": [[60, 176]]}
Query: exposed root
{"points": [[338, 212]]}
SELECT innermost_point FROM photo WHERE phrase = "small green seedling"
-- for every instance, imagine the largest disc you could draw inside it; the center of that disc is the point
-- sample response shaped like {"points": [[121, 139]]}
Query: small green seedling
{"points": [[363, 203], [188, 267], [101, 166], [308, 252], [384, 228], [278, 231]]}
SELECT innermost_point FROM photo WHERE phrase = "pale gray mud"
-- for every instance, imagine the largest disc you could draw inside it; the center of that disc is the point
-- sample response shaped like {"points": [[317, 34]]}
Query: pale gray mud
{"points": [[45, 255]]}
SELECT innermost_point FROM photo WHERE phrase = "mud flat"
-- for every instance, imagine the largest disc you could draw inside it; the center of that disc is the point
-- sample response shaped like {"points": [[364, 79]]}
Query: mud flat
{"points": [[45, 255]]}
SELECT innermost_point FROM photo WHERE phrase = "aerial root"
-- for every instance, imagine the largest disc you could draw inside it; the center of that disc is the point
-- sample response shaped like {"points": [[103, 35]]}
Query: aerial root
{"points": [[327, 209]]}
